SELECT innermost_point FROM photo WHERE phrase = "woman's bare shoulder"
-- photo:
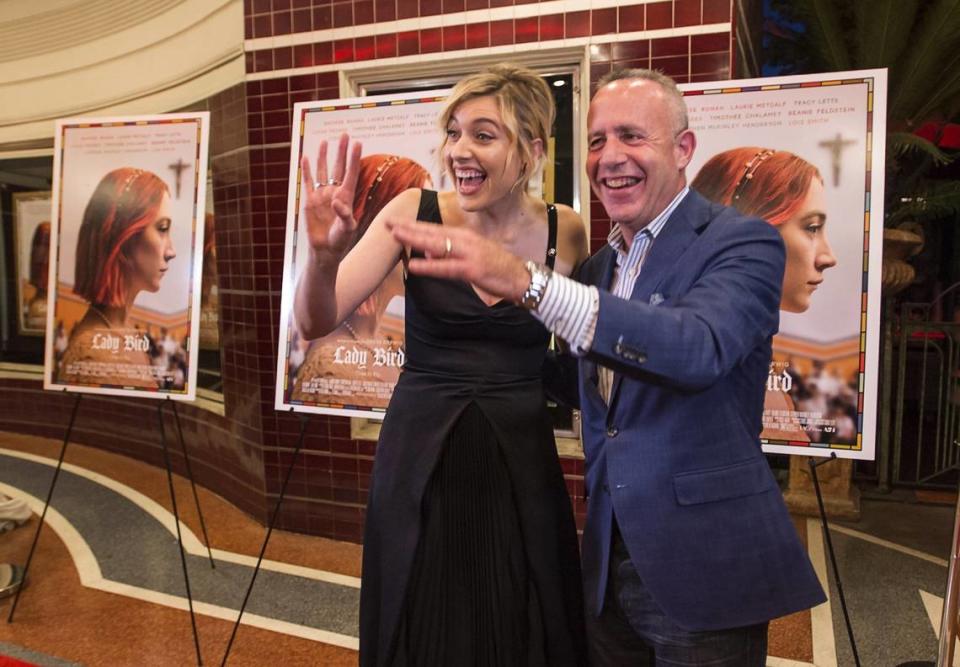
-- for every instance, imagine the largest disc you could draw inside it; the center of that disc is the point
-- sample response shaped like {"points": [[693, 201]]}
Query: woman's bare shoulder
{"points": [[571, 233]]}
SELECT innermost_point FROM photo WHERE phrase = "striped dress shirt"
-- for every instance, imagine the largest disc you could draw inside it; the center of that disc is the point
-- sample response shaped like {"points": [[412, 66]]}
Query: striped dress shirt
{"points": [[570, 309]]}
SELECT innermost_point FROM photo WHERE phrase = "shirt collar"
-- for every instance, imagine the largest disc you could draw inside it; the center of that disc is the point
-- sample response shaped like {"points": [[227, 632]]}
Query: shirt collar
{"points": [[615, 238]]}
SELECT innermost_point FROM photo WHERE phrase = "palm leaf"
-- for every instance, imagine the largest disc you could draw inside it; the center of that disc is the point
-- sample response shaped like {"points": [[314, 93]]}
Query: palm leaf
{"points": [[934, 46], [941, 199], [901, 144], [825, 32], [882, 31]]}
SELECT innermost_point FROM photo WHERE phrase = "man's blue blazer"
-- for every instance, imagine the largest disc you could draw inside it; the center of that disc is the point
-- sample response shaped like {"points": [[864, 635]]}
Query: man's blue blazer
{"points": [[676, 456]]}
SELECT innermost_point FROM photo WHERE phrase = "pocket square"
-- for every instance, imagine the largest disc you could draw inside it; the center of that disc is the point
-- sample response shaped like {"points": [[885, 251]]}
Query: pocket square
{"points": [[656, 299]]}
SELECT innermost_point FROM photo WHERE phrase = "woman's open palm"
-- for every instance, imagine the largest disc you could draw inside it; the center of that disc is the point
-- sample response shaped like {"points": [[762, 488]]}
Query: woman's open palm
{"points": [[329, 200]]}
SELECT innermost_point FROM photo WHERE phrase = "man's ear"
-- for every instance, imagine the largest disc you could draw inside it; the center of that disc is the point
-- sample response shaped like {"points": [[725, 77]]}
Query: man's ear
{"points": [[685, 144]]}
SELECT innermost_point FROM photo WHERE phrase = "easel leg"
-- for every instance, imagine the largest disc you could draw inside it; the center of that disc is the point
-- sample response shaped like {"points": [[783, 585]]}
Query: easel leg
{"points": [[176, 521], [304, 419], [193, 486], [43, 515], [813, 463]]}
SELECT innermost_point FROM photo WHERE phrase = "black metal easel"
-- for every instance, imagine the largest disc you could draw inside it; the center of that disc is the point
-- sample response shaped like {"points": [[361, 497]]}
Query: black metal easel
{"points": [[166, 458], [304, 419], [814, 463]]}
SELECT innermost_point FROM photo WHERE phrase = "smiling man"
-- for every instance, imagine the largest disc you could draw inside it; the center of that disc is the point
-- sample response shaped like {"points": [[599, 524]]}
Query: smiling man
{"points": [[688, 550]]}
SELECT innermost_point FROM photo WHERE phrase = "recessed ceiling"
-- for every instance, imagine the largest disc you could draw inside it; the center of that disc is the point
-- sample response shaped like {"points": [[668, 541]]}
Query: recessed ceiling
{"points": [[32, 28]]}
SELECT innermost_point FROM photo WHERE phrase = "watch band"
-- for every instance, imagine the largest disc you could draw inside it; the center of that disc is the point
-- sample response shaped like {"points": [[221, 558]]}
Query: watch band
{"points": [[539, 278]]}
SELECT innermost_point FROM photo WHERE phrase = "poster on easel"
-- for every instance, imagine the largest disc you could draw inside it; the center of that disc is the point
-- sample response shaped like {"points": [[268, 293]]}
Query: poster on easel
{"points": [[126, 235], [806, 153], [352, 370], [31, 241]]}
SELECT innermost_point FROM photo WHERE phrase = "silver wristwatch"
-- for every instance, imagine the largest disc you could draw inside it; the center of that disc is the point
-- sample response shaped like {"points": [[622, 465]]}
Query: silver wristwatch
{"points": [[539, 278]]}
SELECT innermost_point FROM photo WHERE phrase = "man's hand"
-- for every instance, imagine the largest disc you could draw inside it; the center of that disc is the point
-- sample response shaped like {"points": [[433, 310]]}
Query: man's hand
{"points": [[462, 254]]}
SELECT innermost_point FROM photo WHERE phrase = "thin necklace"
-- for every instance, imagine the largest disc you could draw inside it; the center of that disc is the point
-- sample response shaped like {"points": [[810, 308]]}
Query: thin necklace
{"points": [[350, 330], [101, 316]]}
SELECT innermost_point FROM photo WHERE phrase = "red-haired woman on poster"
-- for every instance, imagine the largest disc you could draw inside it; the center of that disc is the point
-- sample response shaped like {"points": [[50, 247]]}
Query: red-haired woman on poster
{"points": [[123, 248], [786, 191], [382, 177]]}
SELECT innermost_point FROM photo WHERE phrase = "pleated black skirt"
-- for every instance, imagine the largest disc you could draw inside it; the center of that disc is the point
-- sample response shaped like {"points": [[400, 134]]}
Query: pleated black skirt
{"points": [[470, 599]]}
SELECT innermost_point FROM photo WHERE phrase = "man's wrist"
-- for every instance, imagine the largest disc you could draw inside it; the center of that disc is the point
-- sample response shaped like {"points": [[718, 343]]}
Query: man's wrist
{"points": [[537, 285]]}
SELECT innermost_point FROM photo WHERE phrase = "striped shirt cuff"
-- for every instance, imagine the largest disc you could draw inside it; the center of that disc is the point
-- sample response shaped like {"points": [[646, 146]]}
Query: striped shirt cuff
{"points": [[569, 309]]}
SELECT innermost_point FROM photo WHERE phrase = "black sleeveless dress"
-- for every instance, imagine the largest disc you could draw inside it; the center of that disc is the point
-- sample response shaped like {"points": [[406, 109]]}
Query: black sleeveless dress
{"points": [[470, 553]]}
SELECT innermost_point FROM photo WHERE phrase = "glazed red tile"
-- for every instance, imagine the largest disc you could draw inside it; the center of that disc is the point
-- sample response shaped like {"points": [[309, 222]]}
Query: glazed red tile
{"points": [[501, 32], [363, 12], [276, 118], [478, 35], [263, 60], [386, 46], [279, 5], [322, 17], [451, 6], [343, 15], [342, 50], [638, 48], [323, 53], [248, 27], [454, 38], [282, 23], [431, 40], [603, 21], [302, 96], [719, 41], [673, 66], [301, 4], [659, 15], [431, 7], [408, 9], [303, 55], [408, 43], [302, 20], [670, 46], [249, 62], [705, 78], [526, 30], [711, 63], [717, 11], [273, 86], [477, 4], [686, 12], [262, 26], [384, 10], [262, 6], [283, 58], [501, 3], [630, 19], [599, 53], [551, 27], [577, 24], [364, 48]]}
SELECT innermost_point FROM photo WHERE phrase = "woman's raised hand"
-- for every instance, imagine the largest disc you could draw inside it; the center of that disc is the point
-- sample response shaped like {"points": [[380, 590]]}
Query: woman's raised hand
{"points": [[329, 200]]}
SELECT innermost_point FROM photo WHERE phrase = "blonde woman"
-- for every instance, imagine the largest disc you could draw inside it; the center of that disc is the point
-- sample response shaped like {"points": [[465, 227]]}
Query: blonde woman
{"points": [[470, 553]]}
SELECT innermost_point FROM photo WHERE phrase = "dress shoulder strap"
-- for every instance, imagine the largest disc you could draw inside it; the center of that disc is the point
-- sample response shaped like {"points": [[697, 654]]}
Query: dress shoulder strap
{"points": [[551, 236], [429, 210]]}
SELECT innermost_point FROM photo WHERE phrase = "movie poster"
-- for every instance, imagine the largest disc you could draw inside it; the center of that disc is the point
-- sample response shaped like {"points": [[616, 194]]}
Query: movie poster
{"points": [[352, 370], [807, 154], [31, 238], [127, 233]]}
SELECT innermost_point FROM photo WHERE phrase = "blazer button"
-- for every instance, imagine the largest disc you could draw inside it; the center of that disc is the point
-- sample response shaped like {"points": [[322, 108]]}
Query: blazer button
{"points": [[612, 431]]}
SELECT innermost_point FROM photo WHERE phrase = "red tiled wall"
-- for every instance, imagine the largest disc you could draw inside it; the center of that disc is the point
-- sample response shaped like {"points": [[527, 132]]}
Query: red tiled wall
{"points": [[244, 456]]}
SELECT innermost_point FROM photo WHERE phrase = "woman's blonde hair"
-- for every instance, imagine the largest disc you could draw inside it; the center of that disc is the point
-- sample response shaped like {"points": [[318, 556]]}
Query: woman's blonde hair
{"points": [[525, 104]]}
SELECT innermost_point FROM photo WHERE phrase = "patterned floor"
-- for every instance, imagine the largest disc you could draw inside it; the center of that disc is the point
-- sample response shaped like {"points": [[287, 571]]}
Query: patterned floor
{"points": [[107, 587]]}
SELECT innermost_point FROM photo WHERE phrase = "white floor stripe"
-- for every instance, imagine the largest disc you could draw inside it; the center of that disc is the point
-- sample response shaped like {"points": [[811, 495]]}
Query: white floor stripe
{"points": [[91, 577], [191, 543], [785, 662], [843, 530], [933, 605], [821, 616]]}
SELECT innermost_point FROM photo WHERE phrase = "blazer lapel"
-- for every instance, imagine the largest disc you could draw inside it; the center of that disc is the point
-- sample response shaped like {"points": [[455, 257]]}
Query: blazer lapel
{"points": [[600, 274], [677, 235]]}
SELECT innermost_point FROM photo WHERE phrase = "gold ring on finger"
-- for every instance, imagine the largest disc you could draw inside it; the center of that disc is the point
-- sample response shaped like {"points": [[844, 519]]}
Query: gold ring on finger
{"points": [[448, 246]]}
